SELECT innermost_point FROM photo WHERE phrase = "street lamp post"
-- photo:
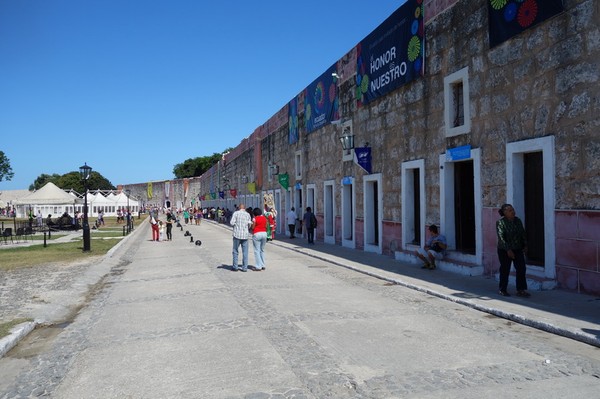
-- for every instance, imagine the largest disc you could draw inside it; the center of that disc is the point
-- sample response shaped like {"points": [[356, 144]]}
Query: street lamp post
{"points": [[85, 172]]}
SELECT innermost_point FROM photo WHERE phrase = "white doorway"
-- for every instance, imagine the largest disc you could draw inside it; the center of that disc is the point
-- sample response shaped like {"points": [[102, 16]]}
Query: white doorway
{"points": [[373, 213]]}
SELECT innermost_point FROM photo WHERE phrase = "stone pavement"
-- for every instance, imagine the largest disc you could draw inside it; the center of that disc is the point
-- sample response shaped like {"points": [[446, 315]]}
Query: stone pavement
{"points": [[171, 319], [572, 315]]}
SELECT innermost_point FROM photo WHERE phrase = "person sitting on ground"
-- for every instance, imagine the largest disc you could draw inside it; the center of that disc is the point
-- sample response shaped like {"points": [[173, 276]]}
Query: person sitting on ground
{"points": [[434, 249]]}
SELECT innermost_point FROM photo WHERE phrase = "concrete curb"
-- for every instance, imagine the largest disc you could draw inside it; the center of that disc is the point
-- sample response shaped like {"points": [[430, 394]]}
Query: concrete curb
{"points": [[97, 272], [589, 339], [17, 333]]}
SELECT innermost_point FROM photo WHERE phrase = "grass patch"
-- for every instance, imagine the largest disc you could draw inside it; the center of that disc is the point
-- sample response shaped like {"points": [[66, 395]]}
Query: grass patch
{"points": [[36, 255], [6, 327]]}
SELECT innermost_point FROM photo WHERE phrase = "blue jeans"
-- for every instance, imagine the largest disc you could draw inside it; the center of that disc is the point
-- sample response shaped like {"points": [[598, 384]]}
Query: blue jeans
{"points": [[259, 240], [236, 244]]}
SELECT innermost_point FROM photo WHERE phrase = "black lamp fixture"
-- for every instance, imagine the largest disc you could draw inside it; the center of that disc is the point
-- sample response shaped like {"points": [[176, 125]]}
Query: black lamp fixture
{"points": [[84, 172], [347, 139]]}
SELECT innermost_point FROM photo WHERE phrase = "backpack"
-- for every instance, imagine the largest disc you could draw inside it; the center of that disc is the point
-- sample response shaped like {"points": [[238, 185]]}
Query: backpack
{"points": [[313, 221]]}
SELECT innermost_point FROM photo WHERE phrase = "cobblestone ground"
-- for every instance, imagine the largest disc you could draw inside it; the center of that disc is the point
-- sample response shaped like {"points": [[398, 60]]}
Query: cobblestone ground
{"points": [[322, 372]]}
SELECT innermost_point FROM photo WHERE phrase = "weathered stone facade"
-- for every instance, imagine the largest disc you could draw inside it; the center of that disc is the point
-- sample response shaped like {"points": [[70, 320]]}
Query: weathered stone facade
{"points": [[538, 92]]}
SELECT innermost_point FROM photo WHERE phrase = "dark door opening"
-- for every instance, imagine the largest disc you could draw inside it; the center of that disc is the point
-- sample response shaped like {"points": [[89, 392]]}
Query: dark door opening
{"points": [[464, 207], [534, 207], [375, 214], [416, 206]]}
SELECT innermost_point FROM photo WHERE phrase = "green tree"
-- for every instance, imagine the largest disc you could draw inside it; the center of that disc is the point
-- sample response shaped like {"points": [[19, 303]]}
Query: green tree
{"points": [[6, 172], [72, 180], [43, 179], [196, 166]]}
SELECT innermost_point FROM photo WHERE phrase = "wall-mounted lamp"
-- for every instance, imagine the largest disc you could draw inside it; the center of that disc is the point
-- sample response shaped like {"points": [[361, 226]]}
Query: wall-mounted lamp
{"points": [[335, 75], [347, 139], [244, 179]]}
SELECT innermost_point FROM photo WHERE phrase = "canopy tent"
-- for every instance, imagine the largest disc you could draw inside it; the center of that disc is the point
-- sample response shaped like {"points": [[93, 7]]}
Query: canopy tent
{"points": [[48, 200]]}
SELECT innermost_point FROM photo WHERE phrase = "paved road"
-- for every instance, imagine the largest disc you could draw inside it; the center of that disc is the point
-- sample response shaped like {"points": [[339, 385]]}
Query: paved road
{"points": [[171, 320]]}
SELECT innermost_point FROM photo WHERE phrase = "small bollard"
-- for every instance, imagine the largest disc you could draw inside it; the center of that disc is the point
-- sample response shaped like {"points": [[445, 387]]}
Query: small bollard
{"points": [[45, 240]]}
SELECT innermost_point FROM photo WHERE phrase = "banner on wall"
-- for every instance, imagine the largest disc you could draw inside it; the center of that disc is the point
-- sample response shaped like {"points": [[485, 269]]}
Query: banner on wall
{"points": [[392, 55], [284, 180], [213, 195], [509, 18], [233, 193], [251, 187], [149, 190], [321, 101], [293, 128], [222, 194], [362, 157]]}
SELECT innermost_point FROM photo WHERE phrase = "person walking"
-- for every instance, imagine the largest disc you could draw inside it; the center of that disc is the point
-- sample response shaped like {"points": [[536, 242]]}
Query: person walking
{"points": [[512, 247], [259, 238], [291, 222], [309, 221], [241, 222], [434, 249], [170, 220], [155, 228]]}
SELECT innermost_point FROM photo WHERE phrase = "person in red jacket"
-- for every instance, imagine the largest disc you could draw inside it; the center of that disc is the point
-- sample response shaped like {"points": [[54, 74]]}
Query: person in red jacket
{"points": [[259, 238]]}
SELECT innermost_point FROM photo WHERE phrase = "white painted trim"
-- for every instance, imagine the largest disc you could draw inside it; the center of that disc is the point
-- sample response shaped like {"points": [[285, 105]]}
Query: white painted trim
{"points": [[447, 221], [515, 193], [352, 223], [407, 198], [329, 216], [368, 226], [450, 80]]}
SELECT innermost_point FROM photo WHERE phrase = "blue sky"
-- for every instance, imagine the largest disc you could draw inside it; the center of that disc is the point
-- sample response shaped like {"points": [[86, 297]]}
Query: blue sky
{"points": [[134, 87]]}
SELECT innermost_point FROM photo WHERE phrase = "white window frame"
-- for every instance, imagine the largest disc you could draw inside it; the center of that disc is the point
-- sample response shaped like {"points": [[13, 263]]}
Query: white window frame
{"points": [[450, 81], [407, 201], [367, 207], [329, 212], [298, 165]]}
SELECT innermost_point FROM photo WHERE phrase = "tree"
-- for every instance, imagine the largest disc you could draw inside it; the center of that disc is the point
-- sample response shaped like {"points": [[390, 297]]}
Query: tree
{"points": [[6, 172], [196, 166], [72, 180]]}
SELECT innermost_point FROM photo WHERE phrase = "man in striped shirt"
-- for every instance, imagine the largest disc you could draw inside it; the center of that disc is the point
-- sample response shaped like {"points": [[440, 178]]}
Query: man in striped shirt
{"points": [[240, 221]]}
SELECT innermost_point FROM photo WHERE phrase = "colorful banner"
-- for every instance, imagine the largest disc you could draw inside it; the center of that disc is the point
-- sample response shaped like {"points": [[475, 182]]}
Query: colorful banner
{"points": [[222, 194], [321, 102], [149, 190], [251, 187], [293, 128], [284, 180], [186, 186], [509, 18], [362, 157], [392, 55], [233, 193], [213, 195]]}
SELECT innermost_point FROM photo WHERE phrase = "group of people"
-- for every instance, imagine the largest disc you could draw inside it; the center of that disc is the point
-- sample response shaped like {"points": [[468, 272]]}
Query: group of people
{"points": [[256, 224], [159, 227], [511, 249], [309, 221]]}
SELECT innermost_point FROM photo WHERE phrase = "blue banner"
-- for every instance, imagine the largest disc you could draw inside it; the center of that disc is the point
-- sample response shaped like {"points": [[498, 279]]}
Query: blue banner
{"points": [[509, 18], [392, 55], [293, 121], [362, 157], [320, 102]]}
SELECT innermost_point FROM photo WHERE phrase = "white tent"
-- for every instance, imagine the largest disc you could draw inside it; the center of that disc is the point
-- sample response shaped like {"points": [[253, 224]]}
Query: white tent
{"points": [[49, 200]]}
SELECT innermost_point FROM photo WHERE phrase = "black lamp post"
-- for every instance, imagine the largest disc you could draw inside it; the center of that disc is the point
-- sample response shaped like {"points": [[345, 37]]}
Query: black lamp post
{"points": [[85, 172]]}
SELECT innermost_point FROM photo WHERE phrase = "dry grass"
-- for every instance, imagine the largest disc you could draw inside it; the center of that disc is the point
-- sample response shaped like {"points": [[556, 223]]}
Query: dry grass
{"points": [[5, 327]]}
